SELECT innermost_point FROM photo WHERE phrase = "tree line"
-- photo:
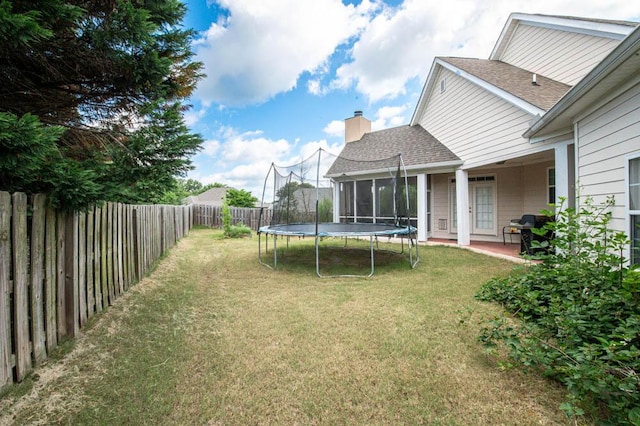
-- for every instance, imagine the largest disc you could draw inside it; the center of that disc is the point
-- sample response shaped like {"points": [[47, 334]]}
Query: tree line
{"points": [[92, 96]]}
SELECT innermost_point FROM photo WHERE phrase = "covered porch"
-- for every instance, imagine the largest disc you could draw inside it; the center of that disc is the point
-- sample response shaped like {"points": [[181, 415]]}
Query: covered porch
{"points": [[474, 205]]}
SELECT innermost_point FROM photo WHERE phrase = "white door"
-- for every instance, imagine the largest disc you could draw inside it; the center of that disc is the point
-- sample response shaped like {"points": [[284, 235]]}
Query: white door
{"points": [[482, 207]]}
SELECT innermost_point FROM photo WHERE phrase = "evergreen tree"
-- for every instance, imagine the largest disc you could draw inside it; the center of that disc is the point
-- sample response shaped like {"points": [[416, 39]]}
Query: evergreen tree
{"points": [[100, 81]]}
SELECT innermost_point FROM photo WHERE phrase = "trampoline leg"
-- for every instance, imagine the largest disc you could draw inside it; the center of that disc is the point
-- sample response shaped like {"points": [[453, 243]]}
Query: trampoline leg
{"points": [[372, 256], [266, 250], [317, 258], [410, 244], [275, 251]]}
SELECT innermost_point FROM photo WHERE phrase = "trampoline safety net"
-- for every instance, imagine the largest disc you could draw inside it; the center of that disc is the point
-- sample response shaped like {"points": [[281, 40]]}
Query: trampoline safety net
{"points": [[328, 195]]}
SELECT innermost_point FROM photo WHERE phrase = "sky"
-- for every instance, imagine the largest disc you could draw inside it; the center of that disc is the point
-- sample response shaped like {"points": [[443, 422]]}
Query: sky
{"points": [[283, 75]]}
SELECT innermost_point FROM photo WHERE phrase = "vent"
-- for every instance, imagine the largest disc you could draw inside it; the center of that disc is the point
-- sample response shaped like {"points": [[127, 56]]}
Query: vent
{"points": [[443, 85]]}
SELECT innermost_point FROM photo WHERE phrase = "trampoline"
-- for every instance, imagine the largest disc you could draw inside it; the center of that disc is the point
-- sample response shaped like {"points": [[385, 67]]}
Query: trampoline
{"points": [[339, 230], [290, 184]]}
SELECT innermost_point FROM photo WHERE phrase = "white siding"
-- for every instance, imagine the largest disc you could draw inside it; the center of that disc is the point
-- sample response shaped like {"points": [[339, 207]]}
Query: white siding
{"points": [[606, 137], [476, 125], [560, 55], [535, 190]]}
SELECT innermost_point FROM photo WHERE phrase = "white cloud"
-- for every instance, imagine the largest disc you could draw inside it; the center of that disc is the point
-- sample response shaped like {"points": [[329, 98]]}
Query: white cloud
{"points": [[390, 116], [249, 148], [400, 44], [192, 116], [263, 47], [335, 128], [210, 147]]}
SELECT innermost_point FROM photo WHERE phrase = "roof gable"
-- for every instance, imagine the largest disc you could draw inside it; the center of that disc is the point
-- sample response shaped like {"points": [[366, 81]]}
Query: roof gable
{"points": [[620, 66], [613, 29], [417, 146]]}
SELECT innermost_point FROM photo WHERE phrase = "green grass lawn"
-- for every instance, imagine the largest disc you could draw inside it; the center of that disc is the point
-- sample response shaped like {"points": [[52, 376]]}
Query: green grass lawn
{"points": [[212, 337]]}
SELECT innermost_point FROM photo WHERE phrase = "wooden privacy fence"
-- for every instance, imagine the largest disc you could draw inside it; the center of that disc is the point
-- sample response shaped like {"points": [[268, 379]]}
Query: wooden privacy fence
{"points": [[58, 269], [211, 216]]}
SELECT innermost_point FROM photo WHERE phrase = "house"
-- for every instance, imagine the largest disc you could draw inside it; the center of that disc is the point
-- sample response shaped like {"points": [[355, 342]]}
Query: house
{"points": [[601, 115], [211, 197], [493, 139]]}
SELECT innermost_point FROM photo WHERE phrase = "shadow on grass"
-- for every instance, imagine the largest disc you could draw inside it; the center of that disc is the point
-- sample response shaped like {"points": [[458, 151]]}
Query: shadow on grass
{"points": [[336, 258]]}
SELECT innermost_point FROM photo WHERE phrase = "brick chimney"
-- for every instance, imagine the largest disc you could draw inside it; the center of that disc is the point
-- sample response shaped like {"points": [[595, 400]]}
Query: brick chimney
{"points": [[355, 127]]}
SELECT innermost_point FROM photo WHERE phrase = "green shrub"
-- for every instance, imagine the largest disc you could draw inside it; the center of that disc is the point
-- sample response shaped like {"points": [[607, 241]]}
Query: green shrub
{"points": [[577, 316], [232, 231]]}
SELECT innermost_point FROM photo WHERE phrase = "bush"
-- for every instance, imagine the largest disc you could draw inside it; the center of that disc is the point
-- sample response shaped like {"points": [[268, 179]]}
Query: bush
{"points": [[577, 316], [232, 231]]}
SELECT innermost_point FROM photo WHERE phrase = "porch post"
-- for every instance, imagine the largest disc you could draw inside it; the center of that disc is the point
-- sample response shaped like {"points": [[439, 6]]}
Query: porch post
{"points": [[422, 207], [462, 212], [336, 202], [563, 166]]}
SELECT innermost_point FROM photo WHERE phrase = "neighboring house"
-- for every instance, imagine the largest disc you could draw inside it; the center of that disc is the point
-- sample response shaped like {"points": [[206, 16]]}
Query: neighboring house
{"points": [[470, 150], [211, 197]]}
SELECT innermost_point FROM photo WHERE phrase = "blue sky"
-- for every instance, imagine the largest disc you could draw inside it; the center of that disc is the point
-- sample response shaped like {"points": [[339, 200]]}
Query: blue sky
{"points": [[282, 75]]}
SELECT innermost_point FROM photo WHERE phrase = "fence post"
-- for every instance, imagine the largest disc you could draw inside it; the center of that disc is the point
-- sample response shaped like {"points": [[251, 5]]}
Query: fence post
{"points": [[71, 277], [6, 375], [20, 285]]}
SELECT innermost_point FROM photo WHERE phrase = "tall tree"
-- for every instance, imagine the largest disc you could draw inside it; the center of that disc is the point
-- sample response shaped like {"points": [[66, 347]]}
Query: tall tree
{"points": [[111, 73], [240, 198]]}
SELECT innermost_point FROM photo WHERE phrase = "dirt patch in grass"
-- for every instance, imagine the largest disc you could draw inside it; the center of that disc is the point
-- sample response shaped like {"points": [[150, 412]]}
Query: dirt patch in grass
{"points": [[212, 337]]}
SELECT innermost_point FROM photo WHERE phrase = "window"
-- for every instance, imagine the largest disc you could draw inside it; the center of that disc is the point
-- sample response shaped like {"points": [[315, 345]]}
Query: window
{"points": [[364, 200], [443, 85], [346, 199], [551, 185], [384, 198], [634, 208]]}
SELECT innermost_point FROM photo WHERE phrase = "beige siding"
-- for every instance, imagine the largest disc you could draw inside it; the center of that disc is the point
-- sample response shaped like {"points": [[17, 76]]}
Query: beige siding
{"points": [[476, 125], [520, 190], [440, 204], [606, 137], [560, 55]]}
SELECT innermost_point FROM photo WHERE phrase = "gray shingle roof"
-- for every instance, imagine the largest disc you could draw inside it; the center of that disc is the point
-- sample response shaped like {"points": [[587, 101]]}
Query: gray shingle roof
{"points": [[514, 80], [417, 146], [213, 197]]}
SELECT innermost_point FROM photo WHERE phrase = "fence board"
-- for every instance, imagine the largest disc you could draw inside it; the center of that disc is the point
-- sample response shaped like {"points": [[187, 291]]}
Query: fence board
{"points": [[50, 289], [110, 278], [20, 285], [104, 255], [61, 248], [37, 277], [119, 246], [82, 269], [97, 258], [6, 375], [90, 292], [72, 313]]}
